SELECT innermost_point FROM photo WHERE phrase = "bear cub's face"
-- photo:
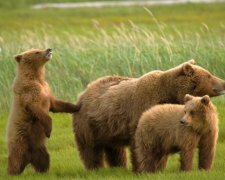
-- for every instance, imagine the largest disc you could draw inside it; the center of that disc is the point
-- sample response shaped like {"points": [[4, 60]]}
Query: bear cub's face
{"points": [[195, 110], [34, 57]]}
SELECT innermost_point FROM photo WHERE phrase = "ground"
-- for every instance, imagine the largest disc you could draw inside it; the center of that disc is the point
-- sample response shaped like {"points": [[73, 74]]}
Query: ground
{"points": [[89, 43]]}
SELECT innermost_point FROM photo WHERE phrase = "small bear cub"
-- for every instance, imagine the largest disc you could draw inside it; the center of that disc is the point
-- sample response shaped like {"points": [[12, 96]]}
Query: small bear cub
{"points": [[29, 123], [169, 128]]}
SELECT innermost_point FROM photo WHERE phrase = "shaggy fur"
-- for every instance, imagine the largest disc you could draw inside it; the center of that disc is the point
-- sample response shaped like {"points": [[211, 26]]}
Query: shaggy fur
{"points": [[112, 106], [166, 129], [29, 123]]}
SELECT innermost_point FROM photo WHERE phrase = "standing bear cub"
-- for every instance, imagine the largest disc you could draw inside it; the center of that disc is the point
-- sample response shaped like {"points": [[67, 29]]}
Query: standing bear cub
{"points": [[29, 123], [112, 106], [168, 128]]}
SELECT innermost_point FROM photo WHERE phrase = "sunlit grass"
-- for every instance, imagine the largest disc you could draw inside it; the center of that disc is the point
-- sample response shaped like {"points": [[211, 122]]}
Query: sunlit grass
{"points": [[128, 51], [65, 162]]}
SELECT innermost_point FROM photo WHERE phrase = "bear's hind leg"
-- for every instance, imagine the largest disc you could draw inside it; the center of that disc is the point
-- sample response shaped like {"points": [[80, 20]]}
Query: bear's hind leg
{"points": [[18, 158], [92, 157], [148, 164], [116, 157], [148, 161], [40, 159]]}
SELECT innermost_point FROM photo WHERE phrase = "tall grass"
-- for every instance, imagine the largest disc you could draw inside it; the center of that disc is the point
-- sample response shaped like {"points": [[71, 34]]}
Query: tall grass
{"points": [[127, 51]]}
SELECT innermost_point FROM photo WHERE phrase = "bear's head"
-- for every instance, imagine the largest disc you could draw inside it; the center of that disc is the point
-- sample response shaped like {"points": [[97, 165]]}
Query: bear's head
{"points": [[33, 58], [192, 79], [199, 112]]}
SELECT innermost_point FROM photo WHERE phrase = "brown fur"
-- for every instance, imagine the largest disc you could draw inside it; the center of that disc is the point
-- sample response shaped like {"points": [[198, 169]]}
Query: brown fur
{"points": [[29, 122], [168, 128], [112, 106]]}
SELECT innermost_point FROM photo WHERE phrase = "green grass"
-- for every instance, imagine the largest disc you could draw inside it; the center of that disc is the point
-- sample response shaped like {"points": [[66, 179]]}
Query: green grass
{"points": [[65, 162], [90, 43], [185, 18]]}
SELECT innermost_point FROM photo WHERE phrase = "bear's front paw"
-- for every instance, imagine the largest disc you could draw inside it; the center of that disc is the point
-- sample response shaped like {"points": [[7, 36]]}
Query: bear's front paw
{"points": [[76, 107]]}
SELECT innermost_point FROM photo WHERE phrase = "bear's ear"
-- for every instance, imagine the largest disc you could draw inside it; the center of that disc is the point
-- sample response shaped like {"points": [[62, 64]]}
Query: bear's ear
{"points": [[188, 69], [18, 57], [192, 61], [188, 97], [205, 100]]}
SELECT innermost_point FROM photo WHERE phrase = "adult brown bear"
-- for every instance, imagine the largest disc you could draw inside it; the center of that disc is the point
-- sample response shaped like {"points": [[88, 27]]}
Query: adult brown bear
{"points": [[112, 106]]}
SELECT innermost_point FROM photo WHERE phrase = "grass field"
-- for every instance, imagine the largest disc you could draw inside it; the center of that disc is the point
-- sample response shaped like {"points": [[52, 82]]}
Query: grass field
{"points": [[90, 43]]}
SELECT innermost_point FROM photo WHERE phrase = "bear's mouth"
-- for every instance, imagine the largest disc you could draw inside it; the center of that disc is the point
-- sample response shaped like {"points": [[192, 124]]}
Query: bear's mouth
{"points": [[219, 92], [222, 92], [48, 54]]}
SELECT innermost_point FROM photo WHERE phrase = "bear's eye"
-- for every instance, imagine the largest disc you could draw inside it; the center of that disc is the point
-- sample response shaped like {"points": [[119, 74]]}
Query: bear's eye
{"points": [[37, 52], [209, 76], [191, 113]]}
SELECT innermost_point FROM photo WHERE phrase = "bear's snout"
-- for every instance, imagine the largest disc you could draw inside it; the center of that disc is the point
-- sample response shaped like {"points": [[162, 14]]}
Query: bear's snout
{"points": [[48, 50], [219, 90], [219, 87], [183, 122], [48, 53]]}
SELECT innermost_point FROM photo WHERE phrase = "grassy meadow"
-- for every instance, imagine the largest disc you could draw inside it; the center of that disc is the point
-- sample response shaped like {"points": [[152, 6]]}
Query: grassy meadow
{"points": [[89, 43]]}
